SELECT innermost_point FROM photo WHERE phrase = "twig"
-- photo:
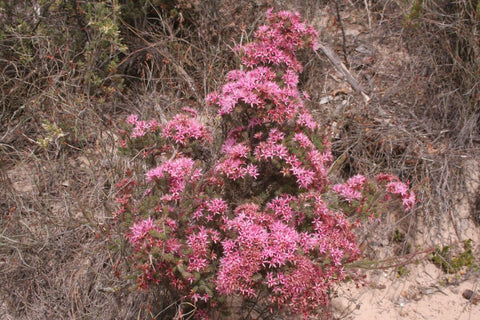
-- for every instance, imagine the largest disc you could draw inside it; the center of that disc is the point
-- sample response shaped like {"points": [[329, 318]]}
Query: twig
{"points": [[390, 263], [163, 51], [344, 39], [335, 60], [369, 15]]}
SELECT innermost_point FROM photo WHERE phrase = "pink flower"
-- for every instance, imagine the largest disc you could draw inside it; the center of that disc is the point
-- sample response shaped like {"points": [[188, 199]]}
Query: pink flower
{"points": [[251, 170], [303, 140], [140, 230], [275, 136], [356, 182], [347, 193], [279, 40], [247, 87], [280, 207], [132, 119], [386, 177], [197, 264], [242, 257], [291, 78], [409, 200], [233, 149], [337, 256], [351, 190], [305, 119], [233, 165], [268, 151], [273, 147], [141, 127], [177, 172], [400, 188], [199, 244], [320, 161], [304, 176], [232, 168], [217, 206], [395, 186], [183, 128], [191, 111], [282, 244]]}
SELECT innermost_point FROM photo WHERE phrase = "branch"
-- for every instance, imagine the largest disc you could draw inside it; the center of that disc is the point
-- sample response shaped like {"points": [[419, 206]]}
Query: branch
{"points": [[335, 60]]}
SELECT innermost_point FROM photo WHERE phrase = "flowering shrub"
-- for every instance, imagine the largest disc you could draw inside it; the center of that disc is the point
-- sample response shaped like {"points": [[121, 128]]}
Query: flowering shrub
{"points": [[261, 219]]}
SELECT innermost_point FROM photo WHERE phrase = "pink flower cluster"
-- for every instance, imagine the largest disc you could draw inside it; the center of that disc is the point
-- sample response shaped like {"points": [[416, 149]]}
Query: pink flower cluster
{"points": [[234, 164], [269, 241], [183, 128], [200, 242], [257, 218], [278, 41], [258, 89], [352, 189], [177, 172], [140, 231], [395, 186], [272, 147], [140, 127]]}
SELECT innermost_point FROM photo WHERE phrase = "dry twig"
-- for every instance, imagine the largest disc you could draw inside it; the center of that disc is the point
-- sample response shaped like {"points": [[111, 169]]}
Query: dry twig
{"points": [[349, 77]]}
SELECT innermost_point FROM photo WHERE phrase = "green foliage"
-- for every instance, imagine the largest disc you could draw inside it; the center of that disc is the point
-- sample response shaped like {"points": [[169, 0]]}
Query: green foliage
{"points": [[53, 49], [398, 236], [402, 271], [449, 263], [54, 135], [104, 44], [415, 12]]}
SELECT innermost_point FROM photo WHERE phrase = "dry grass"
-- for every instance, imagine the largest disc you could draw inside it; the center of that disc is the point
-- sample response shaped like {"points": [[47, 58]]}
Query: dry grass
{"points": [[56, 233]]}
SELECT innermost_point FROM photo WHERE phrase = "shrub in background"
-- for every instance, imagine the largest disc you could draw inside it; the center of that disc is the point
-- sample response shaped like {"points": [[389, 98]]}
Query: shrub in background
{"points": [[59, 62], [261, 219]]}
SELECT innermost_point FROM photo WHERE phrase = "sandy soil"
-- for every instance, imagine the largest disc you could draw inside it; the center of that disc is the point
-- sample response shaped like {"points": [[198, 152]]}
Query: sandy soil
{"points": [[426, 293]]}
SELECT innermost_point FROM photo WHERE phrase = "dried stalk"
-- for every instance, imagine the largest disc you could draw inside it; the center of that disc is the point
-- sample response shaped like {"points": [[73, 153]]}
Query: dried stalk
{"points": [[349, 77]]}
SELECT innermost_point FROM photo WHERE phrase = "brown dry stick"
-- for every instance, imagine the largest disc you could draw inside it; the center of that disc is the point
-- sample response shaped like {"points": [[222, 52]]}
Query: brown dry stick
{"points": [[335, 60]]}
